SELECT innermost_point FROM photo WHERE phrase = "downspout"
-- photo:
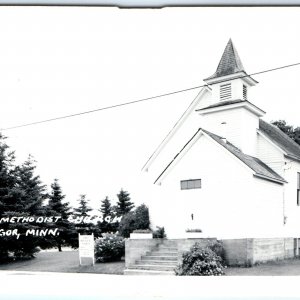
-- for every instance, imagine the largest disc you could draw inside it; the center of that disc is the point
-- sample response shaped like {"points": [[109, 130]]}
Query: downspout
{"points": [[283, 198]]}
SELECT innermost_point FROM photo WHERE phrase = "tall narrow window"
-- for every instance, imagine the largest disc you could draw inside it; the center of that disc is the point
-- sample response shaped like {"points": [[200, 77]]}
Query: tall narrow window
{"points": [[244, 92], [225, 91], [298, 189]]}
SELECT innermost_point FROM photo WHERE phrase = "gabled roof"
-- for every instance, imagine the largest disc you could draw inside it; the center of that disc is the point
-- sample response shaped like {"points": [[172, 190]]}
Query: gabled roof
{"points": [[190, 109], [230, 62], [261, 169], [279, 138]]}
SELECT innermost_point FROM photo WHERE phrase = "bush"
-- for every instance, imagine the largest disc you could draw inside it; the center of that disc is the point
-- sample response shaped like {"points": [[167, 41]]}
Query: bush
{"points": [[159, 233], [135, 220], [109, 248], [200, 261], [218, 248]]}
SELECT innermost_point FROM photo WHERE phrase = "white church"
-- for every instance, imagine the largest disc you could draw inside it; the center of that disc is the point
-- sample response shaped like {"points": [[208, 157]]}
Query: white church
{"points": [[222, 169]]}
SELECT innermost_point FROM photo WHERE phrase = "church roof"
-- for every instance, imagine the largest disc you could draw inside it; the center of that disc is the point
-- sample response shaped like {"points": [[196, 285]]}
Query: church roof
{"points": [[278, 137], [230, 62], [261, 169]]}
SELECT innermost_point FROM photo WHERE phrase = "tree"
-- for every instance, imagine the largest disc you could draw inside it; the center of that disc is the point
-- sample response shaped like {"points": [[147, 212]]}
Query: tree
{"points": [[7, 184], [56, 207], [293, 133], [137, 219], [124, 205], [106, 210], [28, 195], [83, 210]]}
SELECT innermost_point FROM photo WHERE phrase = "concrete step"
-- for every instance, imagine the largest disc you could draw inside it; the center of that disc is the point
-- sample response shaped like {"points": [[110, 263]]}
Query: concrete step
{"points": [[159, 257], [153, 267], [157, 262], [162, 253], [147, 272], [166, 248], [169, 243]]}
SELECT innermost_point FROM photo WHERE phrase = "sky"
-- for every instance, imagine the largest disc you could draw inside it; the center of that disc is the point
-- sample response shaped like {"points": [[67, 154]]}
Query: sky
{"points": [[56, 61]]}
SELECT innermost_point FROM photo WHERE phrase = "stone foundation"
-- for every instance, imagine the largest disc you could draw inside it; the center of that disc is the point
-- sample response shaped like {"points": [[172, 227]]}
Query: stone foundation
{"points": [[247, 252], [238, 252]]}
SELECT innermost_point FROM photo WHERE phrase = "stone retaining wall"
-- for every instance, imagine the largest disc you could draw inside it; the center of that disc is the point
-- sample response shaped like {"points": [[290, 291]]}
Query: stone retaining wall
{"points": [[246, 252]]}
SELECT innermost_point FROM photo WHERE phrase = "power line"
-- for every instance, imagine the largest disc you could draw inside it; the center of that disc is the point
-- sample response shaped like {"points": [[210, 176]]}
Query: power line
{"points": [[143, 99]]}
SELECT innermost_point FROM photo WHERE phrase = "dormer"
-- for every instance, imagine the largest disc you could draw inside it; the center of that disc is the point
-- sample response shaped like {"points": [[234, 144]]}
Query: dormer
{"points": [[230, 81]]}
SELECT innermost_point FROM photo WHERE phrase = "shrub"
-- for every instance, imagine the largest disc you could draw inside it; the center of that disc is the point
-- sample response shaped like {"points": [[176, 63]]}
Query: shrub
{"points": [[135, 220], [159, 233], [109, 248], [218, 248], [142, 220], [127, 224], [200, 261]]}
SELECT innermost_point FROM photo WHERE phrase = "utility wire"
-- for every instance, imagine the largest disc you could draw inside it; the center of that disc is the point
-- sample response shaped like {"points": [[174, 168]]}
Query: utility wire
{"points": [[143, 99]]}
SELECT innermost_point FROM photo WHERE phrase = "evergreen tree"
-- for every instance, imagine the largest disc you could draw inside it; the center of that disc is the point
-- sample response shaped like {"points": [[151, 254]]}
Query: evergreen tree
{"points": [[56, 207], [28, 197], [83, 210], [106, 210], [7, 199], [124, 205], [29, 188]]}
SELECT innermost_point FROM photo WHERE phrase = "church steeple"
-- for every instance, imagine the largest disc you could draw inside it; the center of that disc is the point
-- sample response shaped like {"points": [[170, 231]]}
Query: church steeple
{"points": [[230, 62], [230, 81], [229, 113]]}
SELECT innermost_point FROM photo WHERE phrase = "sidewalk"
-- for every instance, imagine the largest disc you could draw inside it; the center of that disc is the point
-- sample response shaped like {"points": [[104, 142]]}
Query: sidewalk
{"points": [[58, 286]]}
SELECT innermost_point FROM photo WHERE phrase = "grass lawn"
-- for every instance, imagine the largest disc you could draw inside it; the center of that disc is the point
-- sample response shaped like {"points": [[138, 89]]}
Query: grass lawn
{"points": [[65, 262], [288, 267]]}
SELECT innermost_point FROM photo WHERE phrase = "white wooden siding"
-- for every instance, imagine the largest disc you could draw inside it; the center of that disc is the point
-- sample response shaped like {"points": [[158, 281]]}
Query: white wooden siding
{"points": [[231, 203], [269, 154]]}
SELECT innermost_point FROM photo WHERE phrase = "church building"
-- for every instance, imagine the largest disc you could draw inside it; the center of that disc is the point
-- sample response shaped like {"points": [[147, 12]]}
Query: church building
{"points": [[224, 173], [222, 169]]}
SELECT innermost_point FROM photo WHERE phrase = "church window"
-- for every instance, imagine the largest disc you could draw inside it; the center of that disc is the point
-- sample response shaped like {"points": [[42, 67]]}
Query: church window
{"points": [[190, 184], [225, 91], [298, 189]]}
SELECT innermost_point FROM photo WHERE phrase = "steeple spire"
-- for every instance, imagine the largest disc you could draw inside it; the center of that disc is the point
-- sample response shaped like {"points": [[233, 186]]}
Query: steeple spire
{"points": [[230, 62], [230, 81]]}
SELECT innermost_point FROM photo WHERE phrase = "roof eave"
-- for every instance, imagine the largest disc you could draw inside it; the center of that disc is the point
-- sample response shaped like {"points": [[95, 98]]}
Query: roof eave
{"points": [[283, 181], [292, 157], [238, 75], [259, 112]]}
